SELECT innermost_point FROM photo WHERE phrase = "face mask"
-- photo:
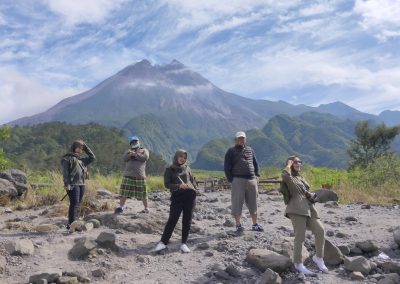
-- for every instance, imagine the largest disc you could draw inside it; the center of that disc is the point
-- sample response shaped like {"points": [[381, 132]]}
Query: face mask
{"points": [[134, 147]]}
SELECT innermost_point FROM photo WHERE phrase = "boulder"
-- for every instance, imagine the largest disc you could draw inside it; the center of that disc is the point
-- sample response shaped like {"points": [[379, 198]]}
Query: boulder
{"points": [[332, 254], [45, 277], [392, 278], [396, 236], [103, 193], [82, 248], [19, 247], [17, 178], [367, 246], [357, 263], [107, 240], [270, 277], [264, 259], [7, 188], [285, 247]]}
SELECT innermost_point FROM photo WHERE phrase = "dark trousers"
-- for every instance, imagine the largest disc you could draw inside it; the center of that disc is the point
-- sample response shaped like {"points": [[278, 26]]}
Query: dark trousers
{"points": [[75, 195], [181, 201]]}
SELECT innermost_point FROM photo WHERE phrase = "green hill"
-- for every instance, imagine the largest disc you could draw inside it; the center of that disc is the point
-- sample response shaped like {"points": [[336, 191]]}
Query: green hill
{"points": [[41, 147]]}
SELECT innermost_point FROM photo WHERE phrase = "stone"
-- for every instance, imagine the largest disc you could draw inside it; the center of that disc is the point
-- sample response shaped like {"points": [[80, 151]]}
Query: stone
{"points": [[367, 246], [76, 226], [96, 223], [356, 275], [98, 273], [20, 247], [332, 254], [233, 271], [203, 246], [103, 193], [88, 226], [396, 235], [3, 264], [263, 259], [107, 240], [344, 249], [7, 188], [82, 248], [44, 228], [357, 263], [285, 247], [52, 275], [270, 277], [68, 280], [391, 267], [392, 278]]}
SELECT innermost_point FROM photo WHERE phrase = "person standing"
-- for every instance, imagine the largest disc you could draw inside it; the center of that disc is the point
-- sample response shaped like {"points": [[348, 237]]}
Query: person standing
{"points": [[178, 178], [74, 167], [134, 176], [241, 170], [303, 215]]}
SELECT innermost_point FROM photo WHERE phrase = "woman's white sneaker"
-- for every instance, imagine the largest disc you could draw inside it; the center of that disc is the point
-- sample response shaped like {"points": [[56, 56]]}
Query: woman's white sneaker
{"points": [[301, 268], [320, 263], [184, 248], [160, 246]]}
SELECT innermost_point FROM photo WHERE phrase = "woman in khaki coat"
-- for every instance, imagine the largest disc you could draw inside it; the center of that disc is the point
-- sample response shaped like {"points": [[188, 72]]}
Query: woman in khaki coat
{"points": [[301, 211]]}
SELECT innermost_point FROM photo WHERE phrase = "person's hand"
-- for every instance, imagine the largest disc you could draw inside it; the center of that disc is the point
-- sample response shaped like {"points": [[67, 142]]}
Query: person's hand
{"points": [[183, 186], [67, 188], [258, 179], [289, 163]]}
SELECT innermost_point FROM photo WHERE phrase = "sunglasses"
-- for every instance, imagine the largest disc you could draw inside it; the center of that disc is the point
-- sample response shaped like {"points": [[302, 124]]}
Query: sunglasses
{"points": [[298, 162]]}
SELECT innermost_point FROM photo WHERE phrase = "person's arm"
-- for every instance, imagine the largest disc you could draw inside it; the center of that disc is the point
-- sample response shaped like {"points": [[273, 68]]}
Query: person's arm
{"points": [[65, 170], [90, 155], [255, 163], [228, 165], [142, 155], [168, 180]]}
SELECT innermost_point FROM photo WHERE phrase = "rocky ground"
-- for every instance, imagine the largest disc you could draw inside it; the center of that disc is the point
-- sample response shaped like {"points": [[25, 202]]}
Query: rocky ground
{"points": [[34, 245]]}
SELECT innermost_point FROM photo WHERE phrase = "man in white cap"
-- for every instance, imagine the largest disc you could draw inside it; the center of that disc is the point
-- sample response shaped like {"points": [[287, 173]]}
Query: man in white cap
{"points": [[241, 169]]}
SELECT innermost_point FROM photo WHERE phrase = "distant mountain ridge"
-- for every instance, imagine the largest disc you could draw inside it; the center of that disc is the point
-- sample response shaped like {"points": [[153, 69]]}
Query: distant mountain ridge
{"points": [[171, 106]]}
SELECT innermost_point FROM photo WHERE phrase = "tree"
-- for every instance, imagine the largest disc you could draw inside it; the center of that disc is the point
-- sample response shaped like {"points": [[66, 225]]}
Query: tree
{"points": [[371, 143], [4, 135]]}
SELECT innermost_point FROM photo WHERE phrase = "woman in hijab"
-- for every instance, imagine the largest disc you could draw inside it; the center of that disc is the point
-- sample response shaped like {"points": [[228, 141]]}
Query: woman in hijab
{"points": [[178, 178], [301, 211]]}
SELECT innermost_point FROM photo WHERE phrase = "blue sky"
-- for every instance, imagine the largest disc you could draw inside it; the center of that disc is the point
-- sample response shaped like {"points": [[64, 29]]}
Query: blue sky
{"points": [[309, 52]]}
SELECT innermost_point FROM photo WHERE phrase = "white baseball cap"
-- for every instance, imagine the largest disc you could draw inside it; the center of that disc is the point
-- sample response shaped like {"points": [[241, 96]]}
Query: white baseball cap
{"points": [[240, 134]]}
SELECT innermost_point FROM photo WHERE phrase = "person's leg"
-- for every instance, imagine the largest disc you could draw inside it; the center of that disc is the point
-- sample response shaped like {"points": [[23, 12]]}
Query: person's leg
{"points": [[251, 195], [174, 213], [237, 199], [317, 229], [188, 205], [145, 204], [74, 195], [122, 201], [299, 223]]}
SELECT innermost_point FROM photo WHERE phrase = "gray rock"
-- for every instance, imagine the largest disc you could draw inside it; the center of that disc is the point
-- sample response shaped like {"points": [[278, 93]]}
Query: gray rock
{"points": [[107, 240], [95, 222], [7, 188], [350, 219], [45, 228], [270, 277], [99, 273], [20, 247], [331, 204], [88, 226], [203, 246], [355, 250], [82, 248], [3, 264], [357, 263], [103, 193], [332, 254], [233, 271], [14, 175], [263, 259], [229, 223], [391, 267], [392, 278], [285, 247], [396, 236], [367, 246], [68, 280], [49, 277], [344, 249], [356, 275], [222, 275]]}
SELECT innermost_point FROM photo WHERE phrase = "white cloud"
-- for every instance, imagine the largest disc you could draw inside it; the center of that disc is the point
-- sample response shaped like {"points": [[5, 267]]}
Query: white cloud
{"points": [[87, 11], [22, 96], [380, 16]]}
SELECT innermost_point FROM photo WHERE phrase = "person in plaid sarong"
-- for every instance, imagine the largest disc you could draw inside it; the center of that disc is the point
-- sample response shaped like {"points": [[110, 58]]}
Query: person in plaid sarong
{"points": [[133, 183]]}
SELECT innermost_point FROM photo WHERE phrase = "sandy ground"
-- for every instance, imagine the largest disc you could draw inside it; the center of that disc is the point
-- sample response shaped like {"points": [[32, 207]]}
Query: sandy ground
{"points": [[214, 245]]}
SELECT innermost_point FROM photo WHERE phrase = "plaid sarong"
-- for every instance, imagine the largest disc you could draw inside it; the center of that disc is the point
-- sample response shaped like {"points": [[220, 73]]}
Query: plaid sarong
{"points": [[133, 187]]}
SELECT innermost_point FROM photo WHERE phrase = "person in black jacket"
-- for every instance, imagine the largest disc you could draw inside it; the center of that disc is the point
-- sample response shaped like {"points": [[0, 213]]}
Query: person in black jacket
{"points": [[74, 166], [241, 169], [178, 178]]}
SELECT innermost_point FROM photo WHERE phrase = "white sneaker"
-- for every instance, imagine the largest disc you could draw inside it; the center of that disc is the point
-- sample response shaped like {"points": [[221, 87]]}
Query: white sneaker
{"points": [[160, 246], [320, 263], [184, 248], [301, 268]]}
